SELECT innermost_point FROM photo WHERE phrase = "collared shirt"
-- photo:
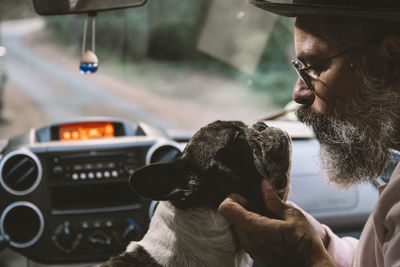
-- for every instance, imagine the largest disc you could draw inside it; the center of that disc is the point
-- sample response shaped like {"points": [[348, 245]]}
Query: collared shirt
{"points": [[379, 244]]}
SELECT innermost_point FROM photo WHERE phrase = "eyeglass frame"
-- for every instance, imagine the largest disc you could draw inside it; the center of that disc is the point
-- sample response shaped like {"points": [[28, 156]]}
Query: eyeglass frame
{"points": [[302, 72]]}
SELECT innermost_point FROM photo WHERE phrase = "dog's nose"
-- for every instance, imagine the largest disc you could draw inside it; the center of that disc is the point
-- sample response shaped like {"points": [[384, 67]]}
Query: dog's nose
{"points": [[259, 126]]}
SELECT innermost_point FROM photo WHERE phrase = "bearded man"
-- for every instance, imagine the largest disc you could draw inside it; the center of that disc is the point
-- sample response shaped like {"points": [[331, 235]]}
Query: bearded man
{"points": [[348, 62]]}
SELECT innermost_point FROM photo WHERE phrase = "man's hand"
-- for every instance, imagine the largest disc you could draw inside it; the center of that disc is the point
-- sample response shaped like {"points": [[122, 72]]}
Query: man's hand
{"points": [[289, 240]]}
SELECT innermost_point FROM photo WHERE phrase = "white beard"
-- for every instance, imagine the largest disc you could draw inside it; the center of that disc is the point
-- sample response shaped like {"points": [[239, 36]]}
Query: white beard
{"points": [[193, 237]]}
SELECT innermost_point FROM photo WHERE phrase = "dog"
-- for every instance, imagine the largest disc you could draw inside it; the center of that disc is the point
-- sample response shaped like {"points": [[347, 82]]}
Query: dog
{"points": [[221, 158]]}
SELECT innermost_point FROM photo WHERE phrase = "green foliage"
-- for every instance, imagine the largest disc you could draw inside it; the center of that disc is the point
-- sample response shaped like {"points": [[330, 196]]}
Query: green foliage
{"points": [[277, 48], [64, 29], [278, 84], [168, 31], [274, 74], [159, 29], [120, 33], [175, 25], [16, 9]]}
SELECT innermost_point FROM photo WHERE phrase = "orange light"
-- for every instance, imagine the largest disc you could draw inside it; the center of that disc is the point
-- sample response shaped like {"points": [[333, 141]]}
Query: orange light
{"points": [[109, 129], [66, 135], [75, 135], [86, 130], [94, 133]]}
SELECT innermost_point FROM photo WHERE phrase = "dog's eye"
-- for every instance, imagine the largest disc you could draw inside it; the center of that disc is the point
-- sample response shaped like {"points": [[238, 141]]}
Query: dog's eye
{"points": [[259, 126]]}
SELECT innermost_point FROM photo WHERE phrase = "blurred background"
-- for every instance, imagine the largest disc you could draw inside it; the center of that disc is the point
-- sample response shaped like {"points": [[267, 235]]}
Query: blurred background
{"points": [[170, 63]]}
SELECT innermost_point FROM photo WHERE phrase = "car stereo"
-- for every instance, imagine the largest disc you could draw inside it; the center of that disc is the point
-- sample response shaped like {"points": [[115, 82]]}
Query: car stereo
{"points": [[64, 188]]}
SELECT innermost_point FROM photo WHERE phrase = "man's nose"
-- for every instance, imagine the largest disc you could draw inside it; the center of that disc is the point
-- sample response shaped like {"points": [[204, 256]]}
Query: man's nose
{"points": [[302, 94]]}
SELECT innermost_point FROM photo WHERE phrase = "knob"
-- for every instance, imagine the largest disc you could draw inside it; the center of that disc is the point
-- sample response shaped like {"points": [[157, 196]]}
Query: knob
{"points": [[99, 240], [65, 238], [131, 232], [130, 166]]}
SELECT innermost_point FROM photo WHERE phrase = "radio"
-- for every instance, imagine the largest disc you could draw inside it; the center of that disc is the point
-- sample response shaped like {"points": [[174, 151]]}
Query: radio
{"points": [[64, 188]]}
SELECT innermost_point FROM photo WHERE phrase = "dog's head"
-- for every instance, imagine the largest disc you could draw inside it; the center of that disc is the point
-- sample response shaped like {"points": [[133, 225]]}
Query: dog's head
{"points": [[221, 158]]}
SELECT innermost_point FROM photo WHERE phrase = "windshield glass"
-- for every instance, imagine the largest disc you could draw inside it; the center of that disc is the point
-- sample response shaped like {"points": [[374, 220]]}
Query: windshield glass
{"points": [[171, 64]]}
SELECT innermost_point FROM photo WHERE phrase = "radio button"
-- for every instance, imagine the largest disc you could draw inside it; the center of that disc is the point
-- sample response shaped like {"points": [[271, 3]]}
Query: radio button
{"points": [[111, 165], [77, 167], [130, 166], [99, 165], [88, 166], [91, 175], [75, 176], [57, 169]]}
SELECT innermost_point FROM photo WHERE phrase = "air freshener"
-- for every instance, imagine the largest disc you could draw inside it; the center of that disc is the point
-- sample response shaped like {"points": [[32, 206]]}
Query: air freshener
{"points": [[89, 61]]}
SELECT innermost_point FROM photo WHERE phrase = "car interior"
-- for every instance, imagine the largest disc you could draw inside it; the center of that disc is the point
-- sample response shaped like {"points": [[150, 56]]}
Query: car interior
{"points": [[65, 199]]}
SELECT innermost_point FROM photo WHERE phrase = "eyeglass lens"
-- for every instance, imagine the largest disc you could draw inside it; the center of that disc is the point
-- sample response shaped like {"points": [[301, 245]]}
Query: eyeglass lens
{"points": [[298, 66]]}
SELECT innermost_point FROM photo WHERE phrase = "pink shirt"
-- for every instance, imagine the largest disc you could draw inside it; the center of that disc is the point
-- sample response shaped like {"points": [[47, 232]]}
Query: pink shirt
{"points": [[379, 244]]}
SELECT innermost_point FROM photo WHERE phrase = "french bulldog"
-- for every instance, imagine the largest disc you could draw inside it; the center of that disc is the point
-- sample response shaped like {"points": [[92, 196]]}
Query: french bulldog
{"points": [[221, 158]]}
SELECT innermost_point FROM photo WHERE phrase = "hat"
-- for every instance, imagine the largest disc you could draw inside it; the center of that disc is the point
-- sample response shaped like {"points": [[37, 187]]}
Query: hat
{"points": [[374, 9]]}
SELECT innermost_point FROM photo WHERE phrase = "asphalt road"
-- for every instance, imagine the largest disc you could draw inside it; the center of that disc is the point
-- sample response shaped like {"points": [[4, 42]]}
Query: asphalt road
{"points": [[59, 94]]}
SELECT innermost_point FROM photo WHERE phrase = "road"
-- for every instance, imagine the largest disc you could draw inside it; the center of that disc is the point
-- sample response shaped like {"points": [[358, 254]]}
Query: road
{"points": [[46, 75], [60, 94]]}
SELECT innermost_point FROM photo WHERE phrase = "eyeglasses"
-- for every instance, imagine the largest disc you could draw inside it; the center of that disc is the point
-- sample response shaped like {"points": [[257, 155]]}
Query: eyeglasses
{"points": [[304, 72]]}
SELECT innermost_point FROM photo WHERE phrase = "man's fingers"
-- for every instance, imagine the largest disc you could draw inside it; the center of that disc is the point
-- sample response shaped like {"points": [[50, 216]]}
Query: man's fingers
{"points": [[287, 192], [272, 201], [238, 199], [234, 212]]}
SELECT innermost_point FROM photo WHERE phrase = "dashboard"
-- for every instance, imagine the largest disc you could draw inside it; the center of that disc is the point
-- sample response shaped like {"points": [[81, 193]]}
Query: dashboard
{"points": [[66, 199], [64, 190]]}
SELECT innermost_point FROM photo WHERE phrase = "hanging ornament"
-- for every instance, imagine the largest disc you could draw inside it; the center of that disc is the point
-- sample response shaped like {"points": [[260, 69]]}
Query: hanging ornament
{"points": [[89, 61]]}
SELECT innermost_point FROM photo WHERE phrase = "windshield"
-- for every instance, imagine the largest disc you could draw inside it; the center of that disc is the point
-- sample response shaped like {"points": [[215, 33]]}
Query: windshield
{"points": [[171, 64]]}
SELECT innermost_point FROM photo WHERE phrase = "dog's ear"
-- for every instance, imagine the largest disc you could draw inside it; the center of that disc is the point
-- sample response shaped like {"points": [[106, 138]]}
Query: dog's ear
{"points": [[162, 181], [237, 154]]}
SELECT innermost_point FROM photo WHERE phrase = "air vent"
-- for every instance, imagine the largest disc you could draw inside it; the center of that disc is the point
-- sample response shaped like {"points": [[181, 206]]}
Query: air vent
{"points": [[23, 223], [20, 172], [163, 152]]}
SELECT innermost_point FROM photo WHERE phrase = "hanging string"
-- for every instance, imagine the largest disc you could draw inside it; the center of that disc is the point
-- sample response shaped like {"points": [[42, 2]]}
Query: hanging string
{"points": [[89, 61], [93, 34], [84, 36]]}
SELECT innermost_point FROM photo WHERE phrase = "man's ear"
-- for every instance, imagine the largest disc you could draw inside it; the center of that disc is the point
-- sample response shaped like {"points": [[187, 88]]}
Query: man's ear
{"points": [[161, 181], [389, 50], [390, 46]]}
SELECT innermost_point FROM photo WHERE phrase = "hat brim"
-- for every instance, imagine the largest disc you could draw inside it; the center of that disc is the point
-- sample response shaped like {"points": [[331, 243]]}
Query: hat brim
{"points": [[294, 10]]}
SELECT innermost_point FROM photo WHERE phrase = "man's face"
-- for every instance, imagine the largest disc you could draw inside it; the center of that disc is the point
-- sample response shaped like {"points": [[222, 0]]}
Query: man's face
{"points": [[330, 81], [349, 109]]}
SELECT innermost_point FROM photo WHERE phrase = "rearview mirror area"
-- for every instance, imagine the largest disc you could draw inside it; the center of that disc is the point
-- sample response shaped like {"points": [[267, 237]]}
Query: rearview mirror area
{"points": [[64, 7]]}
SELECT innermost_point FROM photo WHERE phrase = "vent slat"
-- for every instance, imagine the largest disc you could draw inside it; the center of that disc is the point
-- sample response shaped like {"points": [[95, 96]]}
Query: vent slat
{"points": [[20, 173], [19, 181], [16, 166]]}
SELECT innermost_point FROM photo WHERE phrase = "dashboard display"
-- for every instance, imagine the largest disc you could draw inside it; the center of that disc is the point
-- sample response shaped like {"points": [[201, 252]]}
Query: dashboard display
{"points": [[86, 131]]}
